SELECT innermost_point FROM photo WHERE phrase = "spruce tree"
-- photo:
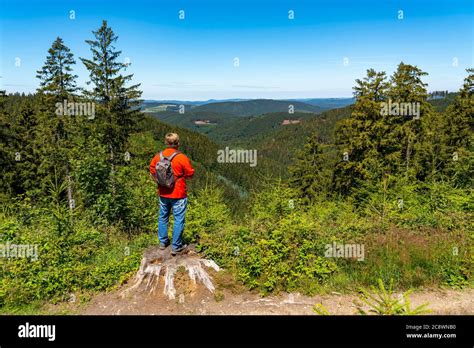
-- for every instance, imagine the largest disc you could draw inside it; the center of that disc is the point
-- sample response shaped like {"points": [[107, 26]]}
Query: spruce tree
{"points": [[309, 174], [402, 142], [56, 76], [7, 155], [19, 144], [117, 104], [55, 132], [459, 135], [360, 137], [383, 136]]}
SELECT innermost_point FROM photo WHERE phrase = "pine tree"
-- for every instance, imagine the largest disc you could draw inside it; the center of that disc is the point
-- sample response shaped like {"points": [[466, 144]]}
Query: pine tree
{"points": [[57, 84], [384, 135], [309, 174], [117, 111], [18, 145], [360, 137], [458, 127], [7, 160], [403, 140], [56, 76]]}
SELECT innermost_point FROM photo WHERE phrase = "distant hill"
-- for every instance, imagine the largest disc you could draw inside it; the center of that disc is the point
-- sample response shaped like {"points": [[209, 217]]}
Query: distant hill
{"points": [[280, 146], [323, 103], [230, 128], [150, 102], [164, 106], [254, 107], [442, 103], [241, 128], [257, 107], [190, 117], [328, 103], [229, 120], [247, 107]]}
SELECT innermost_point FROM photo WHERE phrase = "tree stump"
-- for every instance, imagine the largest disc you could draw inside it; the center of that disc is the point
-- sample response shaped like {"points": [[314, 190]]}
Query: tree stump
{"points": [[156, 263]]}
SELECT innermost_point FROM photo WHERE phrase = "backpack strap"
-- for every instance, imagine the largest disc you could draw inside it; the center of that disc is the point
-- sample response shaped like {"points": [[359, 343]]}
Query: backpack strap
{"points": [[170, 158]]}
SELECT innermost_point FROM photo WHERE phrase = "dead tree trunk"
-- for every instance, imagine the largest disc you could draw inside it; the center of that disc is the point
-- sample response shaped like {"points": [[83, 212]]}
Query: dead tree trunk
{"points": [[69, 187]]}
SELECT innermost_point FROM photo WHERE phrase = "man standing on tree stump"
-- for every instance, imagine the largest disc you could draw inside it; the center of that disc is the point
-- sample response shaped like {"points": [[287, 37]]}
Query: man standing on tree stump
{"points": [[170, 168]]}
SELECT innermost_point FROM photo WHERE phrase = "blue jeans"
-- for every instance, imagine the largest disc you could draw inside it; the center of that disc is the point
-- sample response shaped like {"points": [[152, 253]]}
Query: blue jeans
{"points": [[178, 206]]}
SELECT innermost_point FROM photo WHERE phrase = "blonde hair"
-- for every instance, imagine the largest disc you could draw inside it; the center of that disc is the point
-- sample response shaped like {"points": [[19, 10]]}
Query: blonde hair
{"points": [[172, 140]]}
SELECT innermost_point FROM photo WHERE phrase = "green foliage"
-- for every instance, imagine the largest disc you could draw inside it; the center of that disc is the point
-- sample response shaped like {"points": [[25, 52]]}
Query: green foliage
{"points": [[284, 248], [70, 257], [55, 76], [92, 173], [279, 148], [207, 213], [458, 127], [358, 137], [382, 301], [425, 148], [320, 309], [404, 193], [256, 107], [207, 221], [240, 129], [442, 104], [412, 204], [311, 174]]}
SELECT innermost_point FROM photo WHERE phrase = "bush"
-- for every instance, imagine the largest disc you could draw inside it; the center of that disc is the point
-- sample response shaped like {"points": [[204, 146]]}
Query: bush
{"points": [[70, 257], [285, 247], [208, 224]]}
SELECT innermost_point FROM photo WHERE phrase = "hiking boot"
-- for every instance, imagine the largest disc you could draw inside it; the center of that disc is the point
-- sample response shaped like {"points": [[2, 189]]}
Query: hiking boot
{"points": [[179, 251], [164, 246]]}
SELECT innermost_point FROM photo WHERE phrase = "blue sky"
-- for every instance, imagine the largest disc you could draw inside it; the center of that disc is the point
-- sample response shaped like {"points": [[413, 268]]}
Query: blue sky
{"points": [[193, 59]]}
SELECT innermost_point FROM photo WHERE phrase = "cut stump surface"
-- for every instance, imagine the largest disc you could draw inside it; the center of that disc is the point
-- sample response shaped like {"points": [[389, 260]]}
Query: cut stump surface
{"points": [[157, 263]]}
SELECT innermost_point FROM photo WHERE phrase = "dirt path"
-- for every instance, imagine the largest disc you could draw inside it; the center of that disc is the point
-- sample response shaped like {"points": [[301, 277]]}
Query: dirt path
{"points": [[229, 298], [227, 302]]}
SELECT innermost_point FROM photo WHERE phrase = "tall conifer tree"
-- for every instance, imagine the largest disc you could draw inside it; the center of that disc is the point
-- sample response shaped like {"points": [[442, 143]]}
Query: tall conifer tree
{"points": [[309, 175], [117, 109], [360, 137], [55, 132]]}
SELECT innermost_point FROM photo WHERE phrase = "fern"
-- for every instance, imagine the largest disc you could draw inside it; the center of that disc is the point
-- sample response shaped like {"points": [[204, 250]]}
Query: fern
{"points": [[382, 301], [320, 309]]}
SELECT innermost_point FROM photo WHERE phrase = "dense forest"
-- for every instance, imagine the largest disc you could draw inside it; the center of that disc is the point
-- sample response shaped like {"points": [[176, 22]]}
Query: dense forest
{"points": [[77, 186]]}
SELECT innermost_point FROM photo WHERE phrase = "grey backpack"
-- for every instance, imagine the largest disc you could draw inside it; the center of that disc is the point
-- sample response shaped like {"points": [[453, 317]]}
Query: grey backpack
{"points": [[164, 171]]}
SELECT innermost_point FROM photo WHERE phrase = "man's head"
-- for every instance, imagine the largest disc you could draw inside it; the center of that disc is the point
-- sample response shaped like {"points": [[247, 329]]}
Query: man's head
{"points": [[172, 140]]}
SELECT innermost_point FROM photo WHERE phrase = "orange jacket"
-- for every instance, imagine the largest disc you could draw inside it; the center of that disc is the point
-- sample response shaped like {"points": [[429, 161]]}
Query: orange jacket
{"points": [[182, 170]]}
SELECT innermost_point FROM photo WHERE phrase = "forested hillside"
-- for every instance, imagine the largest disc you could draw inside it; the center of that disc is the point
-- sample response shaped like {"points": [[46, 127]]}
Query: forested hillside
{"points": [[188, 119], [76, 185], [240, 130], [329, 103], [257, 107], [442, 104]]}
